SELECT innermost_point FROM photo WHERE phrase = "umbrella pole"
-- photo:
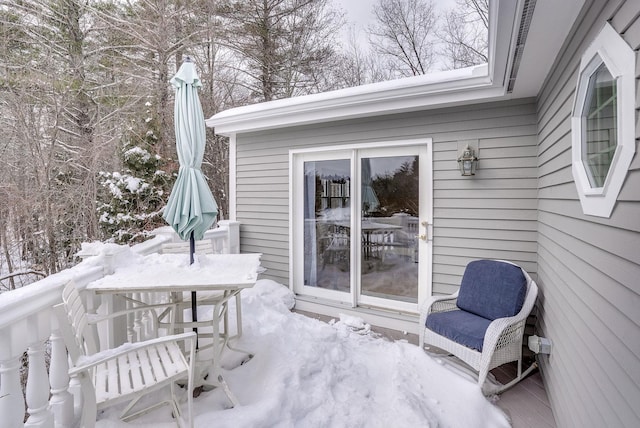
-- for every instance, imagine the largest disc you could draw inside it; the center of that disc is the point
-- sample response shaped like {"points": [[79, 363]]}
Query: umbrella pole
{"points": [[194, 304], [194, 308]]}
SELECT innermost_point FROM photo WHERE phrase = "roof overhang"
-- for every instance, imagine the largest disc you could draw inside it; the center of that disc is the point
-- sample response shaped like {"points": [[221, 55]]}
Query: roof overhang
{"points": [[550, 25], [482, 83]]}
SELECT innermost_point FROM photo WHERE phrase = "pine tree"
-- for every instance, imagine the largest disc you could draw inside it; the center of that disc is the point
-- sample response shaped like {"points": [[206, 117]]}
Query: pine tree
{"points": [[130, 202]]}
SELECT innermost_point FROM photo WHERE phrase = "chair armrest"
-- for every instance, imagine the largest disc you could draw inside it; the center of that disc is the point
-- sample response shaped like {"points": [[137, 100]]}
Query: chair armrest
{"points": [[428, 303], [436, 304], [502, 327], [87, 362], [501, 332], [96, 318]]}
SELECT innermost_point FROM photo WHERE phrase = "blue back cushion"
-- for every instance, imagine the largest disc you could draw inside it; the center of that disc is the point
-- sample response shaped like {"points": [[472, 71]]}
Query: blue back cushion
{"points": [[492, 289]]}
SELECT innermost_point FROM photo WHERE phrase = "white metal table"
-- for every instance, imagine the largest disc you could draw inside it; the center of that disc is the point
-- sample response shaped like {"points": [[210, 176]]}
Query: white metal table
{"points": [[225, 274]]}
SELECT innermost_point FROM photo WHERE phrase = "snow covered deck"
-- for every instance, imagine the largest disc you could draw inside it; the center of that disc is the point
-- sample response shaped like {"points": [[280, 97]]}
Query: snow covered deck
{"points": [[526, 404], [305, 372]]}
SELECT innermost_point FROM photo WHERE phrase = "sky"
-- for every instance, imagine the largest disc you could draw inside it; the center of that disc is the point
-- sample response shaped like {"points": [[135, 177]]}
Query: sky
{"points": [[308, 373], [359, 14]]}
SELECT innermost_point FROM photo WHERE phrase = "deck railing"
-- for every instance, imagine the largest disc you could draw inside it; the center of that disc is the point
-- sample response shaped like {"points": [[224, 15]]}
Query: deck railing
{"points": [[28, 328]]}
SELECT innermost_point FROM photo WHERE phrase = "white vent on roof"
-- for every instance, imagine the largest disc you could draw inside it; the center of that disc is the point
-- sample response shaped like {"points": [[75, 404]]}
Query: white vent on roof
{"points": [[525, 22]]}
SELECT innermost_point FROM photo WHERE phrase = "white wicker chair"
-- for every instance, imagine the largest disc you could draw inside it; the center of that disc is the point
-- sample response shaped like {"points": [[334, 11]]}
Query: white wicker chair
{"points": [[502, 341], [126, 373]]}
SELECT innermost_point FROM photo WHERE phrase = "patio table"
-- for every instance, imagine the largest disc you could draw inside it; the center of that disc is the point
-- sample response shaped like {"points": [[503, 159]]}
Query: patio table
{"points": [[225, 274], [369, 230]]}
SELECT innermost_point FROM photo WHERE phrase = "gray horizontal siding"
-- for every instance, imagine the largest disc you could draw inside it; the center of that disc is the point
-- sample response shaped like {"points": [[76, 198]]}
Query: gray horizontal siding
{"points": [[492, 215], [588, 267]]}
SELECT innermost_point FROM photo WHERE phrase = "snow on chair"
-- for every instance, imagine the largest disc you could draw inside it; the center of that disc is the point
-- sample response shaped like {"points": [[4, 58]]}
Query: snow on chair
{"points": [[483, 322], [126, 373]]}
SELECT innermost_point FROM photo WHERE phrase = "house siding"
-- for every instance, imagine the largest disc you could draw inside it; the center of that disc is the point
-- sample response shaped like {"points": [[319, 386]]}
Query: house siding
{"points": [[588, 267], [490, 215]]}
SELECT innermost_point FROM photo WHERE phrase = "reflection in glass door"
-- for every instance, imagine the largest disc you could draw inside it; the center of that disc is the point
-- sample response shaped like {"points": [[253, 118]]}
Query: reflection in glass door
{"points": [[358, 217], [327, 215], [389, 227]]}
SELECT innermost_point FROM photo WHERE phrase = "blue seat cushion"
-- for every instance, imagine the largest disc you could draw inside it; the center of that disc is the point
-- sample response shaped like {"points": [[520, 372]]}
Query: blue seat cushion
{"points": [[492, 289], [462, 327]]}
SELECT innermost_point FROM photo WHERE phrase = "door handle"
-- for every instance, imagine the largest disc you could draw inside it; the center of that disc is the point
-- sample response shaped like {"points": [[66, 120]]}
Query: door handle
{"points": [[428, 232]]}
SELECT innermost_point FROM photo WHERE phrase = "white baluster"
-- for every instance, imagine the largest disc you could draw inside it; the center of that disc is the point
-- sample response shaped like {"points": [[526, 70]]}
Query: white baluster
{"points": [[137, 324], [146, 332], [130, 319], [37, 390], [11, 399], [61, 399]]}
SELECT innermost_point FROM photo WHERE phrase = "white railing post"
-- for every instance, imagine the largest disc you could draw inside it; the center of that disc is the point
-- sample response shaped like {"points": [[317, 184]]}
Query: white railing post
{"points": [[61, 399], [234, 236], [11, 399], [37, 390]]}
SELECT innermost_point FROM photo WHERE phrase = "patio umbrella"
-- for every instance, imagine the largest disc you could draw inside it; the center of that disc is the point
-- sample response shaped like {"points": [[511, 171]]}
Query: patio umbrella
{"points": [[370, 201], [191, 208]]}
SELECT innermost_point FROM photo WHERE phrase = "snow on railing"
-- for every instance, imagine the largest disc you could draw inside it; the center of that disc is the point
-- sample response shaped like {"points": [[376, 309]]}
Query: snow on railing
{"points": [[28, 327]]}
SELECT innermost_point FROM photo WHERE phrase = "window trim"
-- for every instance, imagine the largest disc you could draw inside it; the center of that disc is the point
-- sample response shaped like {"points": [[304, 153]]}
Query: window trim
{"points": [[610, 49]]}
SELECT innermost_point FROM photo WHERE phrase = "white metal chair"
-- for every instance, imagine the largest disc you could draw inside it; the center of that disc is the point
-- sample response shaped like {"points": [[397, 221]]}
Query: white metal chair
{"points": [[167, 318], [204, 246], [483, 322], [217, 300], [126, 373]]}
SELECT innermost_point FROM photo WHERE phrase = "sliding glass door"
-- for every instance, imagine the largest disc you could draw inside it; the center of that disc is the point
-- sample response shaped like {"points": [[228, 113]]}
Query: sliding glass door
{"points": [[360, 222]]}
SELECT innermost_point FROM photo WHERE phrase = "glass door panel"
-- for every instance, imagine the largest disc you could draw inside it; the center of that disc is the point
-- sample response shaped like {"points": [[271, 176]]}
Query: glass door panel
{"points": [[389, 195], [327, 219]]}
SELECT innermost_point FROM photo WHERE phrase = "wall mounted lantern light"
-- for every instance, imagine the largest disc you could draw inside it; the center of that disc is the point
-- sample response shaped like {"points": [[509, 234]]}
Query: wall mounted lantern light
{"points": [[468, 161]]}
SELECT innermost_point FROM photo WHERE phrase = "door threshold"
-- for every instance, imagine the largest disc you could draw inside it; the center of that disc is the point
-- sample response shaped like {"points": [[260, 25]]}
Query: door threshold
{"points": [[394, 320]]}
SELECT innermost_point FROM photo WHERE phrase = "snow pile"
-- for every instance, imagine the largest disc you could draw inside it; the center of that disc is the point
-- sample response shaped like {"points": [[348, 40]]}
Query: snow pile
{"points": [[306, 373], [349, 324]]}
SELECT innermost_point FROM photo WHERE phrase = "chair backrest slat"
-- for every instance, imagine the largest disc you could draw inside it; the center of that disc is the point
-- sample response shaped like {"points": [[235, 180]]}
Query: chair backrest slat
{"points": [[75, 314], [202, 247]]}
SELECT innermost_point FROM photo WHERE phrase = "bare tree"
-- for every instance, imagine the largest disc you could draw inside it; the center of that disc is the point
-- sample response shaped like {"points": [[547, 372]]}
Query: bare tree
{"points": [[403, 35], [464, 33], [221, 89], [57, 131], [280, 43], [79, 79], [146, 41], [356, 65]]}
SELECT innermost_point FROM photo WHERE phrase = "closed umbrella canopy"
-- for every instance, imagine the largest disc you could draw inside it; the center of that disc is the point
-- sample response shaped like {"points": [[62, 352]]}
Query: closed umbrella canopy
{"points": [[191, 208], [370, 201]]}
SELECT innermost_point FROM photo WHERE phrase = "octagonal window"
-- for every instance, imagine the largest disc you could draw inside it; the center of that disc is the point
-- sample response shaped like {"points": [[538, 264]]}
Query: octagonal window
{"points": [[599, 126], [603, 122]]}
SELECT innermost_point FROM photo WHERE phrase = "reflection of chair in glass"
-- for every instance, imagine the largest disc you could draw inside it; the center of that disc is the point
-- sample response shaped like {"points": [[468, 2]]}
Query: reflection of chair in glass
{"points": [[403, 244], [483, 322], [337, 250], [333, 245]]}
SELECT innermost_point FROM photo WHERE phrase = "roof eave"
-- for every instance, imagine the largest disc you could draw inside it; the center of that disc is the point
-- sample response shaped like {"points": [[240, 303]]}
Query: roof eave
{"points": [[309, 110], [470, 85]]}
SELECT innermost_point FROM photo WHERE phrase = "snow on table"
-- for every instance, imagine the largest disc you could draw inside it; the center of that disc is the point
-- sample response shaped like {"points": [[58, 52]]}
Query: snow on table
{"points": [[166, 272]]}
